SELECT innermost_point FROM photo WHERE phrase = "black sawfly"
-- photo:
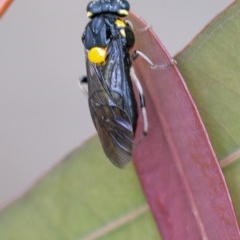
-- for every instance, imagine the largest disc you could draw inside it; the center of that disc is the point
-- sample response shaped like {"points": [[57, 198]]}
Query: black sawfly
{"points": [[107, 40]]}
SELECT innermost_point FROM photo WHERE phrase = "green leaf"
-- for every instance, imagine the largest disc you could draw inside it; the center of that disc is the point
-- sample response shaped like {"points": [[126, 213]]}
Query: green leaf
{"points": [[211, 69], [81, 196]]}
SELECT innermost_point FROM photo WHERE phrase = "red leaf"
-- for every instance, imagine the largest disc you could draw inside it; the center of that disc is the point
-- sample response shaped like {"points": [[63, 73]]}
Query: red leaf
{"points": [[175, 162], [4, 4]]}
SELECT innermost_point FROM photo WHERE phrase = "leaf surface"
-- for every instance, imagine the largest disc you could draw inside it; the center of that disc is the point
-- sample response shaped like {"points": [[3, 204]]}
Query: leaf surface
{"points": [[176, 165], [211, 68], [85, 197]]}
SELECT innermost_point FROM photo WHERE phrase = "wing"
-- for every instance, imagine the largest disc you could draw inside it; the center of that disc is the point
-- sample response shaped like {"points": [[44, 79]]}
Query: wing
{"points": [[113, 106]]}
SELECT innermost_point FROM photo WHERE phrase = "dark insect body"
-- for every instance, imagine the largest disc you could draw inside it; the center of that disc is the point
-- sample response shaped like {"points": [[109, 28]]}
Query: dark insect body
{"points": [[107, 40]]}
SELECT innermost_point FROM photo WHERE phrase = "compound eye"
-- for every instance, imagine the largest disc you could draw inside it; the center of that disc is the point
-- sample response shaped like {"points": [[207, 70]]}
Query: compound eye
{"points": [[124, 7], [97, 55]]}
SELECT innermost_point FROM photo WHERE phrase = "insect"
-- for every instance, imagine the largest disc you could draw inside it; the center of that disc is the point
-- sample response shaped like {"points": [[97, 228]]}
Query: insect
{"points": [[107, 40]]}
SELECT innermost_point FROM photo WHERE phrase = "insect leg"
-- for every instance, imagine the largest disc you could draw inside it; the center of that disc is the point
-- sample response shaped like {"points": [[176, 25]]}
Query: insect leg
{"points": [[137, 53], [142, 100], [82, 82]]}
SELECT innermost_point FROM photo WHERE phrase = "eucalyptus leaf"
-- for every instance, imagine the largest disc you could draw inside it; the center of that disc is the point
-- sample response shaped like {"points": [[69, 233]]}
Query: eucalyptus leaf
{"points": [[210, 66]]}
